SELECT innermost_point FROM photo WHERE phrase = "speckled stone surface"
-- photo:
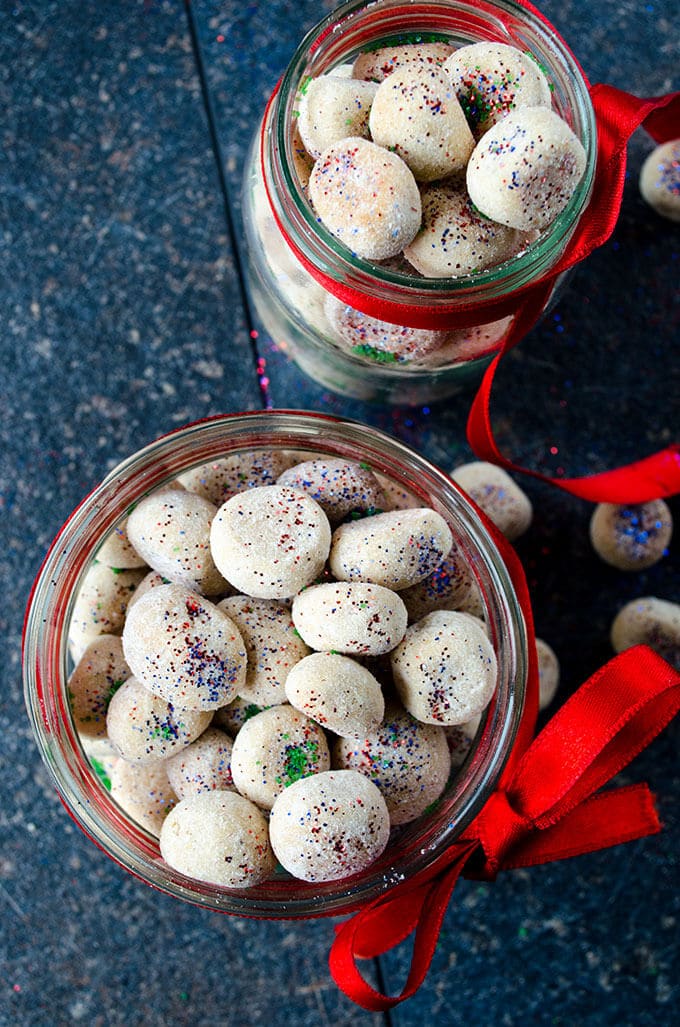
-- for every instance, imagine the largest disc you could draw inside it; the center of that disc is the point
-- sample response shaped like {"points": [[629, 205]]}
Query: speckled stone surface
{"points": [[124, 316]]}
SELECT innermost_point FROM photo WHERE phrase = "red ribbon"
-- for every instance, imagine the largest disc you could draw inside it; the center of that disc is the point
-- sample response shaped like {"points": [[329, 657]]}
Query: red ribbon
{"points": [[546, 808], [546, 805]]}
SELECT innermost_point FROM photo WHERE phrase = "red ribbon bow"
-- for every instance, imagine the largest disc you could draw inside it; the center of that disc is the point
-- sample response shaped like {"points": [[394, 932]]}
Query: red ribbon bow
{"points": [[546, 805], [546, 808]]}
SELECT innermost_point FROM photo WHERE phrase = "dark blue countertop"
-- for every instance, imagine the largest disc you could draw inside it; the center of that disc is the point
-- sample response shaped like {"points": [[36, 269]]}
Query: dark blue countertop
{"points": [[124, 131]]}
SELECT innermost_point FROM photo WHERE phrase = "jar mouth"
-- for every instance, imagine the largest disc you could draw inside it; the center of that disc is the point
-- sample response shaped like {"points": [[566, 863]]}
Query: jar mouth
{"points": [[46, 662], [338, 39]]}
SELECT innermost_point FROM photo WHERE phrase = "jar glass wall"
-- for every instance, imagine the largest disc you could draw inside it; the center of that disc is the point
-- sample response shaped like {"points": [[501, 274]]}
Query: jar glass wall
{"points": [[296, 268], [46, 659]]}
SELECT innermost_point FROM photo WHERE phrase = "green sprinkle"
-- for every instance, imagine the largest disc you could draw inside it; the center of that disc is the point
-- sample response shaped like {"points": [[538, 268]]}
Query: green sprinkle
{"points": [[112, 690], [101, 774], [304, 85], [379, 355], [522, 932], [250, 711]]}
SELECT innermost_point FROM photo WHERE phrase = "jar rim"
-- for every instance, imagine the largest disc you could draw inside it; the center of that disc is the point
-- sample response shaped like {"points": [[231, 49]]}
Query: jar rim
{"points": [[335, 261], [46, 675]]}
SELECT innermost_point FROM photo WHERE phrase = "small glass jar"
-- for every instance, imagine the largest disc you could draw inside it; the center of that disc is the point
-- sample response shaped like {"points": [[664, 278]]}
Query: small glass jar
{"points": [[46, 661], [294, 264]]}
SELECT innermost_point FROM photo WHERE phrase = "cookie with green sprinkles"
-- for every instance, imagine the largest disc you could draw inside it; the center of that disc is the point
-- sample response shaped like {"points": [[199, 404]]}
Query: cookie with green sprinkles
{"points": [[379, 341], [98, 675], [145, 728]]}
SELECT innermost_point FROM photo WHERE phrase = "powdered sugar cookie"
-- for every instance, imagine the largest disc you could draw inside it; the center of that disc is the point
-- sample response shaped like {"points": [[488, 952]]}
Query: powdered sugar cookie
{"points": [[329, 826], [501, 498], [100, 605], [332, 108], [144, 792], [144, 728], [379, 341], [355, 618], [336, 692], [649, 621], [631, 537], [98, 675], [660, 180], [204, 766], [376, 65], [340, 487]]}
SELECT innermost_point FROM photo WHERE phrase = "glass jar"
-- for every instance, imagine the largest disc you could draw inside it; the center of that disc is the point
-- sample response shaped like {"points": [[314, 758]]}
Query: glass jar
{"points": [[294, 264], [46, 660]]}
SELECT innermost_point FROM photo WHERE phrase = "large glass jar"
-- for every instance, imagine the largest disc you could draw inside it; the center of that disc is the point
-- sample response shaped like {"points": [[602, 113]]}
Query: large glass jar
{"points": [[295, 264], [46, 659]]}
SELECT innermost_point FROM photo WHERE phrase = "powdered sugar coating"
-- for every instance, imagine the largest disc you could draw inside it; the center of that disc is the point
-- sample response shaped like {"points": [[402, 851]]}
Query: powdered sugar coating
{"points": [[204, 766], [329, 826], [97, 676], [117, 551], [408, 761], [454, 240], [416, 113], [171, 530], [379, 341], [145, 728], [367, 197], [220, 479], [498, 495], [144, 792], [394, 549], [275, 748], [376, 65], [492, 80], [273, 646], [445, 670], [450, 586], [271, 541], [354, 618], [340, 487], [336, 692], [100, 605], [218, 837], [332, 108], [525, 169], [184, 648], [631, 537]]}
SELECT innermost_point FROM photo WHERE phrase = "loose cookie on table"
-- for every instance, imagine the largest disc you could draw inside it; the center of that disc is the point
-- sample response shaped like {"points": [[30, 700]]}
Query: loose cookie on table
{"points": [[649, 621], [501, 498], [184, 648], [329, 826], [548, 673], [660, 180], [631, 537]]}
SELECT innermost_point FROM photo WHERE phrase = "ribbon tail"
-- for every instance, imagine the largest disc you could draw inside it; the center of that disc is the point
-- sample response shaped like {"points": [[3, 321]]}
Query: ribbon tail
{"points": [[606, 819], [379, 926]]}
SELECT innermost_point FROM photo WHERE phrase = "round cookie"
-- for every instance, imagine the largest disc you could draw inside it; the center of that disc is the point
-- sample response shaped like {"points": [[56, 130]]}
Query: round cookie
{"points": [[329, 826], [182, 647], [273, 646], [220, 479], [417, 115], [338, 693], [454, 240], [407, 760], [152, 580], [379, 341], [170, 529], [143, 792], [117, 551], [395, 549], [275, 748], [459, 738], [332, 108], [450, 586], [340, 487], [367, 197], [98, 675], [493, 79], [218, 837], [660, 180], [445, 669], [470, 343], [548, 673], [631, 538], [525, 169], [100, 605], [144, 728], [376, 65], [204, 766], [654, 622], [271, 541], [356, 618], [495, 492]]}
